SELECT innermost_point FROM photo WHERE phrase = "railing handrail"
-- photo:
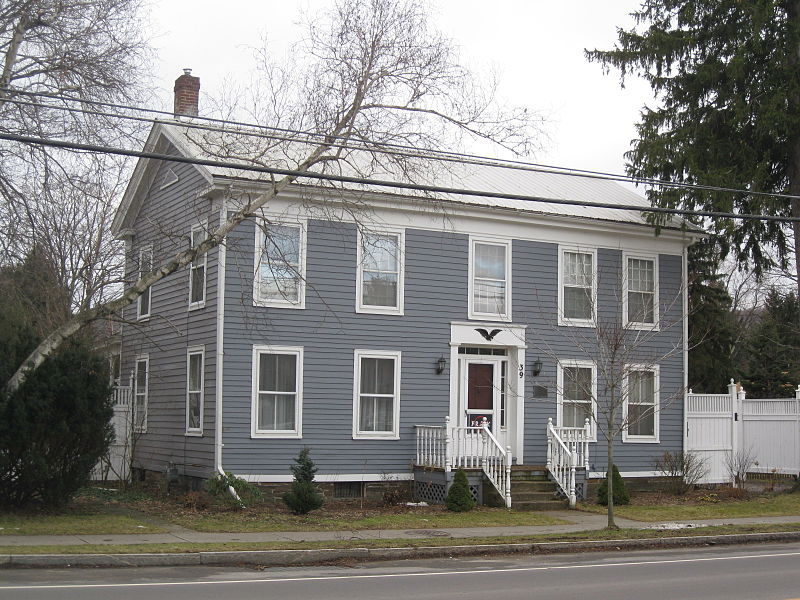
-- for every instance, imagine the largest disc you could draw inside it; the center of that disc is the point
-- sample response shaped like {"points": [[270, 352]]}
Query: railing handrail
{"points": [[558, 439]]}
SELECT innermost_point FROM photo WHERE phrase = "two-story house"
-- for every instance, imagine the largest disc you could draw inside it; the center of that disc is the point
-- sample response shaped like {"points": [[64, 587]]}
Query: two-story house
{"points": [[389, 332]]}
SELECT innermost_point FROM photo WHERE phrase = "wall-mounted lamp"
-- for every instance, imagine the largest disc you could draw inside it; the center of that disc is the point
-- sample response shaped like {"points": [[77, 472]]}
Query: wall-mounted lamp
{"points": [[536, 367], [440, 365]]}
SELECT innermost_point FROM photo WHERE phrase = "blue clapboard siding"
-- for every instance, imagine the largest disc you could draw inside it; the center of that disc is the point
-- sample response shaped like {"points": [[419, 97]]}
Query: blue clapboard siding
{"points": [[436, 290], [165, 221]]}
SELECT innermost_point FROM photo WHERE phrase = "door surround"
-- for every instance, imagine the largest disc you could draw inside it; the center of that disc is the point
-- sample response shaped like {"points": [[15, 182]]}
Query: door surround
{"points": [[511, 337]]}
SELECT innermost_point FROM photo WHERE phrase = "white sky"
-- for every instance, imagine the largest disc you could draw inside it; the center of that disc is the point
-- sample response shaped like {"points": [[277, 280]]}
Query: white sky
{"points": [[535, 45]]}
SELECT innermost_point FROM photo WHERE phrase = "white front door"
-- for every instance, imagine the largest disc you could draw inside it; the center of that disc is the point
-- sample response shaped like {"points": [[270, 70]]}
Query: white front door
{"points": [[483, 394]]}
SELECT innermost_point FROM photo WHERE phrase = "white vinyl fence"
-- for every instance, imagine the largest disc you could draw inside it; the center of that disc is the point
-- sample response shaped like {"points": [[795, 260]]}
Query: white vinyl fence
{"points": [[114, 466], [722, 425]]}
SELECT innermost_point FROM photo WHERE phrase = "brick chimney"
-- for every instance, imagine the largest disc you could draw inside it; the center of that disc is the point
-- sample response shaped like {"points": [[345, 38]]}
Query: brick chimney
{"points": [[187, 93]]}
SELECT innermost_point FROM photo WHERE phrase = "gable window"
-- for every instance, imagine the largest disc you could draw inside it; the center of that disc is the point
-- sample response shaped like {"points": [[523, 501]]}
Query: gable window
{"points": [[380, 273], [640, 295], [576, 292], [197, 271], [141, 382], [376, 402], [280, 266], [490, 280], [170, 178], [195, 357], [577, 390], [277, 391], [145, 266], [641, 403]]}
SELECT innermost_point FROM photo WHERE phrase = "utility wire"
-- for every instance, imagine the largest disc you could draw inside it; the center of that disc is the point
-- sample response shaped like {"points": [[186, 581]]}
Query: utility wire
{"points": [[385, 148], [380, 182]]}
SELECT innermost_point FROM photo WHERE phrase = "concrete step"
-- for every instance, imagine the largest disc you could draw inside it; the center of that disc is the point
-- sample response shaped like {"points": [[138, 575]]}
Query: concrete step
{"points": [[532, 486], [533, 496], [539, 505]]}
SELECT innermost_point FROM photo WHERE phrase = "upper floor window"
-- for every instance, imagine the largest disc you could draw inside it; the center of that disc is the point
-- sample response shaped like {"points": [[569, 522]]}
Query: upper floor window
{"points": [[145, 266], [376, 402], [641, 403], [577, 287], [640, 295], [490, 280], [380, 273], [197, 271], [194, 390], [280, 266], [277, 391], [141, 390]]}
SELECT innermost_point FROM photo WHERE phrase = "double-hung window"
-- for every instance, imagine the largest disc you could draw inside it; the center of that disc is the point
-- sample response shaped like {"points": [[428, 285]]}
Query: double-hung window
{"points": [[376, 402], [277, 392], [490, 280], [197, 271], [145, 266], [280, 265], [195, 359], [380, 272], [577, 287], [640, 292], [641, 403], [141, 382], [577, 390]]}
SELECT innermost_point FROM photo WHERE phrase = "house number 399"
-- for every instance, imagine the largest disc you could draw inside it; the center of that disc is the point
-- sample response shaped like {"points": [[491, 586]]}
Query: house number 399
{"points": [[521, 371]]}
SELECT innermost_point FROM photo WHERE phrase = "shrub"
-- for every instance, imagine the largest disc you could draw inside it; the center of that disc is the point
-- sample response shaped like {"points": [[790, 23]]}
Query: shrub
{"points": [[683, 470], [303, 496], [196, 500], [459, 498], [621, 495], [218, 486]]}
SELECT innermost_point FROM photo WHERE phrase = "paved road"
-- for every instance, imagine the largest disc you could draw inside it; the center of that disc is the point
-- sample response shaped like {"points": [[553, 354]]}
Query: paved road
{"points": [[770, 572]]}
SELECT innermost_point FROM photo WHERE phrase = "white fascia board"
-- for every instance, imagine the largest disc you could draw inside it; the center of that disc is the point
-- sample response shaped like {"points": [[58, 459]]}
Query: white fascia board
{"points": [[442, 215], [143, 173]]}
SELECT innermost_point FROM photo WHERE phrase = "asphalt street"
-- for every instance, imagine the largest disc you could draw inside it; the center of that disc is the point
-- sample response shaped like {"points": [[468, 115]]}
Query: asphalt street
{"points": [[729, 573]]}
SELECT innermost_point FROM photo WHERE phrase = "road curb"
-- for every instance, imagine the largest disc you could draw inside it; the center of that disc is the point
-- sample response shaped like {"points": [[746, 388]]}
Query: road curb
{"points": [[274, 558]]}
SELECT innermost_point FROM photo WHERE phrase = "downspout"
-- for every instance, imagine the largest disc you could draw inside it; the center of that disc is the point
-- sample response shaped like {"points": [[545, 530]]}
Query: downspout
{"points": [[685, 335], [221, 255]]}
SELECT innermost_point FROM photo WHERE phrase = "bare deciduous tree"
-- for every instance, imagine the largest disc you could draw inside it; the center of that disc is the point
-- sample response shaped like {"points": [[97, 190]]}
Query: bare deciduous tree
{"points": [[376, 75]]}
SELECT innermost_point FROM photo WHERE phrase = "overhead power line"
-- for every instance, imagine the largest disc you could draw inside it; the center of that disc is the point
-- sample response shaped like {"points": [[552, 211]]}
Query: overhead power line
{"points": [[306, 137], [379, 182]]}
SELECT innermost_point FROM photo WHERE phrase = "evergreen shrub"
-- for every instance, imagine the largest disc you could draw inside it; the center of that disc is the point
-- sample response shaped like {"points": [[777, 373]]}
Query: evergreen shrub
{"points": [[459, 498], [621, 495], [303, 497]]}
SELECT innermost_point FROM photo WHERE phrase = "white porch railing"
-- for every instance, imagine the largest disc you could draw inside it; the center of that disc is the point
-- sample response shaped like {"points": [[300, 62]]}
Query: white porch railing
{"points": [[567, 450], [451, 448]]}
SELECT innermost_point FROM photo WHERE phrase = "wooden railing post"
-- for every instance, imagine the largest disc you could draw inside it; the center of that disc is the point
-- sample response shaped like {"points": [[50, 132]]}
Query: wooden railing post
{"points": [[448, 434], [508, 477], [572, 496], [549, 443], [587, 437]]}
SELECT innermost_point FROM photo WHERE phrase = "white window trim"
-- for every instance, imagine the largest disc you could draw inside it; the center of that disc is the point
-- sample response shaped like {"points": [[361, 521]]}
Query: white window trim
{"points": [[654, 326], [194, 264], [643, 439], [301, 295], [583, 364], [562, 320], [170, 178], [140, 316], [376, 435], [401, 259], [472, 314], [190, 351], [297, 432], [137, 359]]}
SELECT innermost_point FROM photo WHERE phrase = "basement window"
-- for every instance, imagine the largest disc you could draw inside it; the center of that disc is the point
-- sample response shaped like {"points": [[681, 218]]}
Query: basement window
{"points": [[348, 489]]}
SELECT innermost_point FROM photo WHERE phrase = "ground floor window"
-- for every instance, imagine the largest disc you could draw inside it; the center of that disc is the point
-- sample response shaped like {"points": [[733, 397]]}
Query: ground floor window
{"points": [[277, 391], [376, 402]]}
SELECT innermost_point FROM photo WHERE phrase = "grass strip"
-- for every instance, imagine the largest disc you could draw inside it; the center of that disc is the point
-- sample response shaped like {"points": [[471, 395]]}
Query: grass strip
{"points": [[603, 534], [72, 524]]}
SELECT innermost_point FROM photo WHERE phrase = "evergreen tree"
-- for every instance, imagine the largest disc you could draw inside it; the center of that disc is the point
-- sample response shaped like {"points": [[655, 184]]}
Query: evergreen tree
{"points": [[773, 349], [727, 76], [55, 427], [459, 498], [620, 493], [303, 497], [712, 324]]}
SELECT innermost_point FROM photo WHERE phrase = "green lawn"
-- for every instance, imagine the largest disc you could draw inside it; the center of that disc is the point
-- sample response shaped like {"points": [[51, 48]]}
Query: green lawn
{"points": [[71, 524], [778, 505], [430, 518], [618, 534]]}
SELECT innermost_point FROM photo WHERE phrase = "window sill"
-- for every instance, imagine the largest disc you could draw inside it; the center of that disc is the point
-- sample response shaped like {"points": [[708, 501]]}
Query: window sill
{"points": [[378, 310], [635, 326], [376, 436], [640, 440], [143, 318], [197, 305], [489, 317], [275, 304], [193, 434], [279, 435], [576, 323]]}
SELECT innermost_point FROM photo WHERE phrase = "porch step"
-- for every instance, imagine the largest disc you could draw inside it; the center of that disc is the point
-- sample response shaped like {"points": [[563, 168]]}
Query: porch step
{"points": [[531, 489], [528, 473]]}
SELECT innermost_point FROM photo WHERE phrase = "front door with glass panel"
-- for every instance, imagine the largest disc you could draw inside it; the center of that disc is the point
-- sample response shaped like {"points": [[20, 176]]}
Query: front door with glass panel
{"points": [[483, 394]]}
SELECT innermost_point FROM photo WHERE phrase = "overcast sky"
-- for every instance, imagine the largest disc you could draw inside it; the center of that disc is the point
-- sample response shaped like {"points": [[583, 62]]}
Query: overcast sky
{"points": [[535, 45]]}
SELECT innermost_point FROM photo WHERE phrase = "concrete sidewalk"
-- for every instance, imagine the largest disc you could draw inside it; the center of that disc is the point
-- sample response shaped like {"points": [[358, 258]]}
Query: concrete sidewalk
{"points": [[579, 521]]}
